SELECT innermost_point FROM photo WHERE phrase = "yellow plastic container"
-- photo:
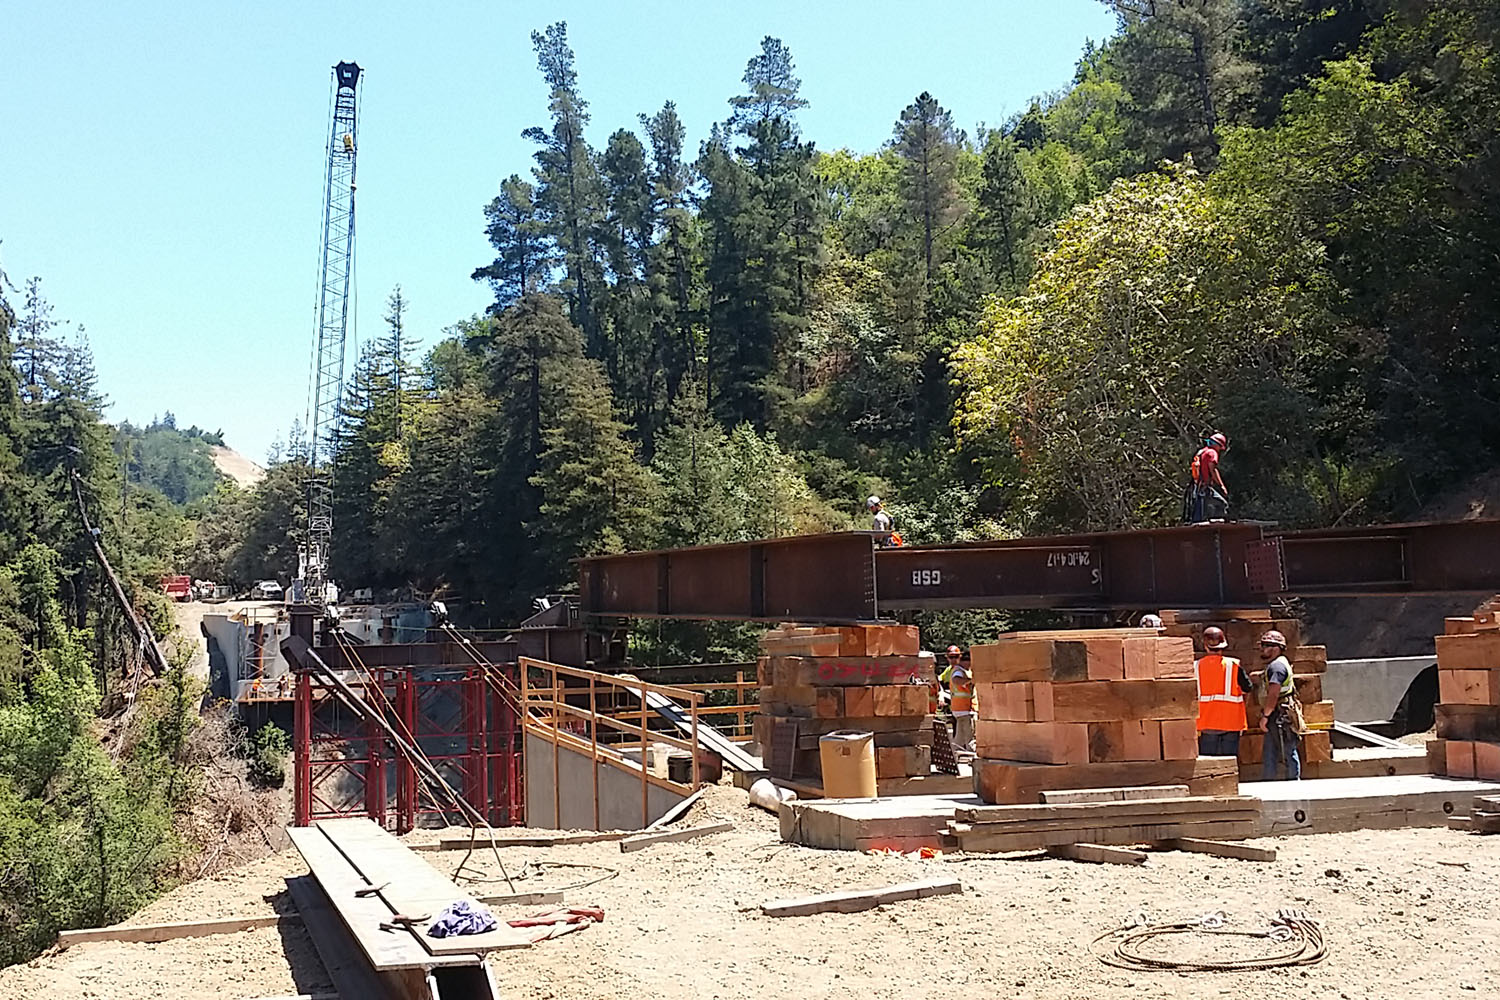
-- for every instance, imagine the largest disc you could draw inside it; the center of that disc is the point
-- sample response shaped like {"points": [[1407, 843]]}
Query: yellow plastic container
{"points": [[848, 760]]}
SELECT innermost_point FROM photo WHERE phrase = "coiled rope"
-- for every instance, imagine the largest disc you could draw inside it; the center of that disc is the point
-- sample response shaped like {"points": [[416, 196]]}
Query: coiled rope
{"points": [[1300, 934]]}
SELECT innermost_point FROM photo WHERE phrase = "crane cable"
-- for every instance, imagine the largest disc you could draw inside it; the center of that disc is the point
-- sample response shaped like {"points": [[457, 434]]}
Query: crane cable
{"points": [[475, 820], [1301, 935]]}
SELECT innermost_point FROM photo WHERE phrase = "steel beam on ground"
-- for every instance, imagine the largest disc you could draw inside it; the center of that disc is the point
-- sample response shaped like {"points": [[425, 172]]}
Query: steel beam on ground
{"points": [[827, 578]]}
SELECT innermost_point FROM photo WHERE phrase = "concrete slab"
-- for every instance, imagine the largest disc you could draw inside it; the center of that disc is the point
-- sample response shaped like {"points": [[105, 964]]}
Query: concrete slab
{"points": [[1337, 805], [1329, 805]]}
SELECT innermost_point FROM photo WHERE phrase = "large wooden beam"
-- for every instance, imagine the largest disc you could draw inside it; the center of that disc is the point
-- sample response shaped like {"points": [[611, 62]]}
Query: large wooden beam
{"points": [[152, 933], [859, 899], [672, 836]]}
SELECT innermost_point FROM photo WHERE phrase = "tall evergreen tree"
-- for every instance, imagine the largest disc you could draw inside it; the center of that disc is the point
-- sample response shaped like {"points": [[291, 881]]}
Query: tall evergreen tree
{"points": [[928, 144], [1180, 62], [671, 271], [762, 211], [515, 229], [568, 197], [1004, 212]]}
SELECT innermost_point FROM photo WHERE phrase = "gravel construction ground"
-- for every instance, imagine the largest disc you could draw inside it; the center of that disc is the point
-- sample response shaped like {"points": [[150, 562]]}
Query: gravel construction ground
{"points": [[1407, 913]]}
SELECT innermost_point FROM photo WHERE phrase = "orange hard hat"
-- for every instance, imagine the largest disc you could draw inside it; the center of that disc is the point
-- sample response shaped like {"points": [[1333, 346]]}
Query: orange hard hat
{"points": [[954, 651], [1213, 638]]}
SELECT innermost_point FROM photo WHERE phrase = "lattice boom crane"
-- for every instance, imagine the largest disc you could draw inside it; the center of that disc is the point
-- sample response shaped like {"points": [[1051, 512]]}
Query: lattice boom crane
{"points": [[333, 323]]}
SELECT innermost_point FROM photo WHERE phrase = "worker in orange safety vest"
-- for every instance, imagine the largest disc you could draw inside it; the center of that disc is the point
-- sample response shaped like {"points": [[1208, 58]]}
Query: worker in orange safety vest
{"points": [[960, 699], [1222, 683]]}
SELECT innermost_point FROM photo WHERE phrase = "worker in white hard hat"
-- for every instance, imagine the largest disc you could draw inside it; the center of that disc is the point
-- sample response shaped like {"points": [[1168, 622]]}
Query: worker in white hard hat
{"points": [[881, 520]]}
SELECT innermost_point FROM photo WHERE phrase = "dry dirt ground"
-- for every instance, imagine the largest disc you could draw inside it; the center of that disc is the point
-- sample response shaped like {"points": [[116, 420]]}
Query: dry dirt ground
{"points": [[1407, 913]]}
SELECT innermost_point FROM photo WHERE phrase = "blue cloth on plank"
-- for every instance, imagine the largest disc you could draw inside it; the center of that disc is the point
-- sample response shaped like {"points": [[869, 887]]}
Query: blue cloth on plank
{"points": [[462, 917]]}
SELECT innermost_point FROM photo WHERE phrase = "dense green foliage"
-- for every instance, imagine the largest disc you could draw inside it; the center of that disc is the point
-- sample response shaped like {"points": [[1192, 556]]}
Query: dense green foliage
{"points": [[87, 833], [1271, 216], [178, 464]]}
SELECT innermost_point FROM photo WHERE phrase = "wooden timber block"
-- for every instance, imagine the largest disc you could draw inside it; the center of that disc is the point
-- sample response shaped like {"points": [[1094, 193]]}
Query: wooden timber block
{"points": [[982, 838], [850, 671], [1468, 722], [1056, 816], [763, 671], [1309, 660], [1004, 702], [1115, 741], [1317, 747], [1038, 742], [1318, 714], [1437, 757], [1111, 701], [1030, 660], [888, 699], [1487, 761], [830, 703], [1009, 781], [859, 702], [1458, 626], [1105, 659], [914, 700], [902, 762], [1460, 759], [1174, 658], [1179, 739], [1468, 687], [1479, 651], [1067, 796], [1309, 688], [1139, 658]]}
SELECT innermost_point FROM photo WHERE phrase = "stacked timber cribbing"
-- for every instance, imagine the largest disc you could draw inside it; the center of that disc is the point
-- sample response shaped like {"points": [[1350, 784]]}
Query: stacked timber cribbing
{"points": [[1468, 709], [1243, 629], [863, 678], [1090, 708]]}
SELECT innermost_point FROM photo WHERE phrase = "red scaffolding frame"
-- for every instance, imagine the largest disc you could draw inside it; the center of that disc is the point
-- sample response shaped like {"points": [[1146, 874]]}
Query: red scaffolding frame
{"points": [[463, 720]]}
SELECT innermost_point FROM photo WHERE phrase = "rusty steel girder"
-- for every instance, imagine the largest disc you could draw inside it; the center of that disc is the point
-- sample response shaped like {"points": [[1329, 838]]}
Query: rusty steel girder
{"points": [[843, 578], [826, 578], [1421, 558], [1190, 566]]}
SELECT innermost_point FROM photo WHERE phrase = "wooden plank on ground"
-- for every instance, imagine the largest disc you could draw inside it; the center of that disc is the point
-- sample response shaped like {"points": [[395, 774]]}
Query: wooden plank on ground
{"points": [[524, 840], [859, 899], [415, 887], [1219, 849], [1064, 796], [676, 812], [152, 933], [672, 836], [1016, 781], [361, 915], [1097, 853]]}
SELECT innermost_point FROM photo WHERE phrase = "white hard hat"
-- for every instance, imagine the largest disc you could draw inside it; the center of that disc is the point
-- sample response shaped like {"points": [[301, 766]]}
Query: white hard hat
{"points": [[872, 503], [1151, 621]]}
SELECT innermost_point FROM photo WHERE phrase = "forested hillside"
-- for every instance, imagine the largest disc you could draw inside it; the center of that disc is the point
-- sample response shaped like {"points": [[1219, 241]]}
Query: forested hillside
{"points": [[97, 763], [1278, 217]]}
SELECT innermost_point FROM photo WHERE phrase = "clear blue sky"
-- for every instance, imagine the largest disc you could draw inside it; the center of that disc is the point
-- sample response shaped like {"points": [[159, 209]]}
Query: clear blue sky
{"points": [[163, 163]]}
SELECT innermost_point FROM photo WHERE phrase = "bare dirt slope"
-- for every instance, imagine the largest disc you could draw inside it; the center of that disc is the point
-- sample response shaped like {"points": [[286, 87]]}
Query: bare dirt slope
{"points": [[1408, 913], [237, 467]]}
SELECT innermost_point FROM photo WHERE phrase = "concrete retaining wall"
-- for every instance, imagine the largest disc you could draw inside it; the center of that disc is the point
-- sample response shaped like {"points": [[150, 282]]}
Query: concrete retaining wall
{"points": [[619, 792], [1370, 690]]}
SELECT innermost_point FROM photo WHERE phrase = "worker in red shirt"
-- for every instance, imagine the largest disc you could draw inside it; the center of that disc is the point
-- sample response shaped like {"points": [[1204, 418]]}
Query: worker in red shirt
{"points": [[1208, 497]]}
